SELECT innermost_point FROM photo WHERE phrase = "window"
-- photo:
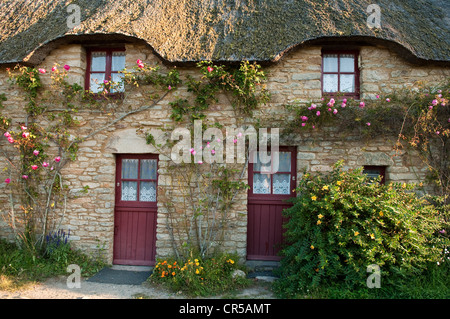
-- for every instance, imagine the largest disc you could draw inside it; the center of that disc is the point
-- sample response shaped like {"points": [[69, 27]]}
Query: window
{"points": [[265, 181], [373, 172], [340, 73], [104, 64], [138, 179]]}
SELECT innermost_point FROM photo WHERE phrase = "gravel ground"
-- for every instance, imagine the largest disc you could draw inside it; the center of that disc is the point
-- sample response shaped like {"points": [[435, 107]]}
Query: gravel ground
{"points": [[56, 288]]}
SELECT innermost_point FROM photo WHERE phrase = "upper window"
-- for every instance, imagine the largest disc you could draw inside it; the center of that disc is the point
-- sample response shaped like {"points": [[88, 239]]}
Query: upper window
{"points": [[340, 74], [103, 67]]}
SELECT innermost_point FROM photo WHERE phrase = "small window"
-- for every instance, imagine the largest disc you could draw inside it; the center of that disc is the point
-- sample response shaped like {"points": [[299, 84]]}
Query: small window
{"points": [[105, 65], [340, 73], [373, 172]]}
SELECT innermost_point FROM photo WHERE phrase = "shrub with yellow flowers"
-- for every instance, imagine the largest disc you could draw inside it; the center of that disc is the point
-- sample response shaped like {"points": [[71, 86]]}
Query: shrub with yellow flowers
{"points": [[199, 277], [342, 222]]}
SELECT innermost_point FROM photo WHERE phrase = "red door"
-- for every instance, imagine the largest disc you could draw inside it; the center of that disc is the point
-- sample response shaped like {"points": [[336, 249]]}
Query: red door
{"points": [[135, 210], [267, 197]]}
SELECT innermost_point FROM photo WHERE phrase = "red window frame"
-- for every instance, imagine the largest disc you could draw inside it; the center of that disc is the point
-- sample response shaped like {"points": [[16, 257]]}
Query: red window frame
{"points": [[119, 180], [108, 67], [271, 196], [380, 169], [354, 95]]}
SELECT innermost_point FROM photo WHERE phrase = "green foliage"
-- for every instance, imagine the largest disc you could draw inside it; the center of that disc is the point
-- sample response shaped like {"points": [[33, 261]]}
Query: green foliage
{"points": [[199, 277], [342, 222], [28, 79], [21, 266], [245, 84]]}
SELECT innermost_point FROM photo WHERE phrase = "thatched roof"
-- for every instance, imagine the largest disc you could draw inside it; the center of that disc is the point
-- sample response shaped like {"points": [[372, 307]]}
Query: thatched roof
{"points": [[225, 30]]}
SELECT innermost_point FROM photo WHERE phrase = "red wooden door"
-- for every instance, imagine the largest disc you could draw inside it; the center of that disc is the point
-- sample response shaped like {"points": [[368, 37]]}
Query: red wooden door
{"points": [[267, 197], [135, 210]]}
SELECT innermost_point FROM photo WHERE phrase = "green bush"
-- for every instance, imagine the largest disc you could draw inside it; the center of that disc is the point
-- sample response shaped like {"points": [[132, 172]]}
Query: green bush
{"points": [[23, 265], [199, 277], [342, 222]]}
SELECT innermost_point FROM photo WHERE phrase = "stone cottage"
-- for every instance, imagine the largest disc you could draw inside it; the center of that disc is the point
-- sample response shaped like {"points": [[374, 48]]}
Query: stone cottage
{"points": [[309, 49]]}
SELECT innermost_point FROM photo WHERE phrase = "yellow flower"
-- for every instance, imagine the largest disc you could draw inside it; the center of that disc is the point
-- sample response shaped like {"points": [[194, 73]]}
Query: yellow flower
{"points": [[319, 222], [381, 214], [320, 216], [372, 236], [169, 266], [404, 185], [312, 247], [339, 183], [197, 264], [314, 197], [173, 273], [197, 271], [325, 188], [356, 233]]}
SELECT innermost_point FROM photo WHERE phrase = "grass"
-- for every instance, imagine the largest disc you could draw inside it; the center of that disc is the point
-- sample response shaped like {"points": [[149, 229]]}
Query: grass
{"points": [[434, 283], [21, 267]]}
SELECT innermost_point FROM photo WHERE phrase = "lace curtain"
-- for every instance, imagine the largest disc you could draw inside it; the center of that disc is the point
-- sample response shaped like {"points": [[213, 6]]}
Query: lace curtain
{"points": [[280, 182], [147, 189]]}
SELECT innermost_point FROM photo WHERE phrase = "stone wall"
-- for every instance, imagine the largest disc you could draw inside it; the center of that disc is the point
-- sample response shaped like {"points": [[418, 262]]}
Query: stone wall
{"points": [[90, 217]]}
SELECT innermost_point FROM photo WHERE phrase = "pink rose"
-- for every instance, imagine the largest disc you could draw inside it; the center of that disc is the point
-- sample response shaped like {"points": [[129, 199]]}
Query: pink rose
{"points": [[344, 100], [200, 162], [10, 139], [368, 123], [23, 127], [210, 69], [25, 134], [25, 176], [35, 152], [304, 118], [235, 141], [335, 111], [42, 71], [434, 102], [45, 164], [343, 104], [303, 124], [57, 158], [54, 69], [7, 134], [318, 113], [66, 67], [8, 180], [362, 105], [34, 167], [388, 100], [213, 152]]}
